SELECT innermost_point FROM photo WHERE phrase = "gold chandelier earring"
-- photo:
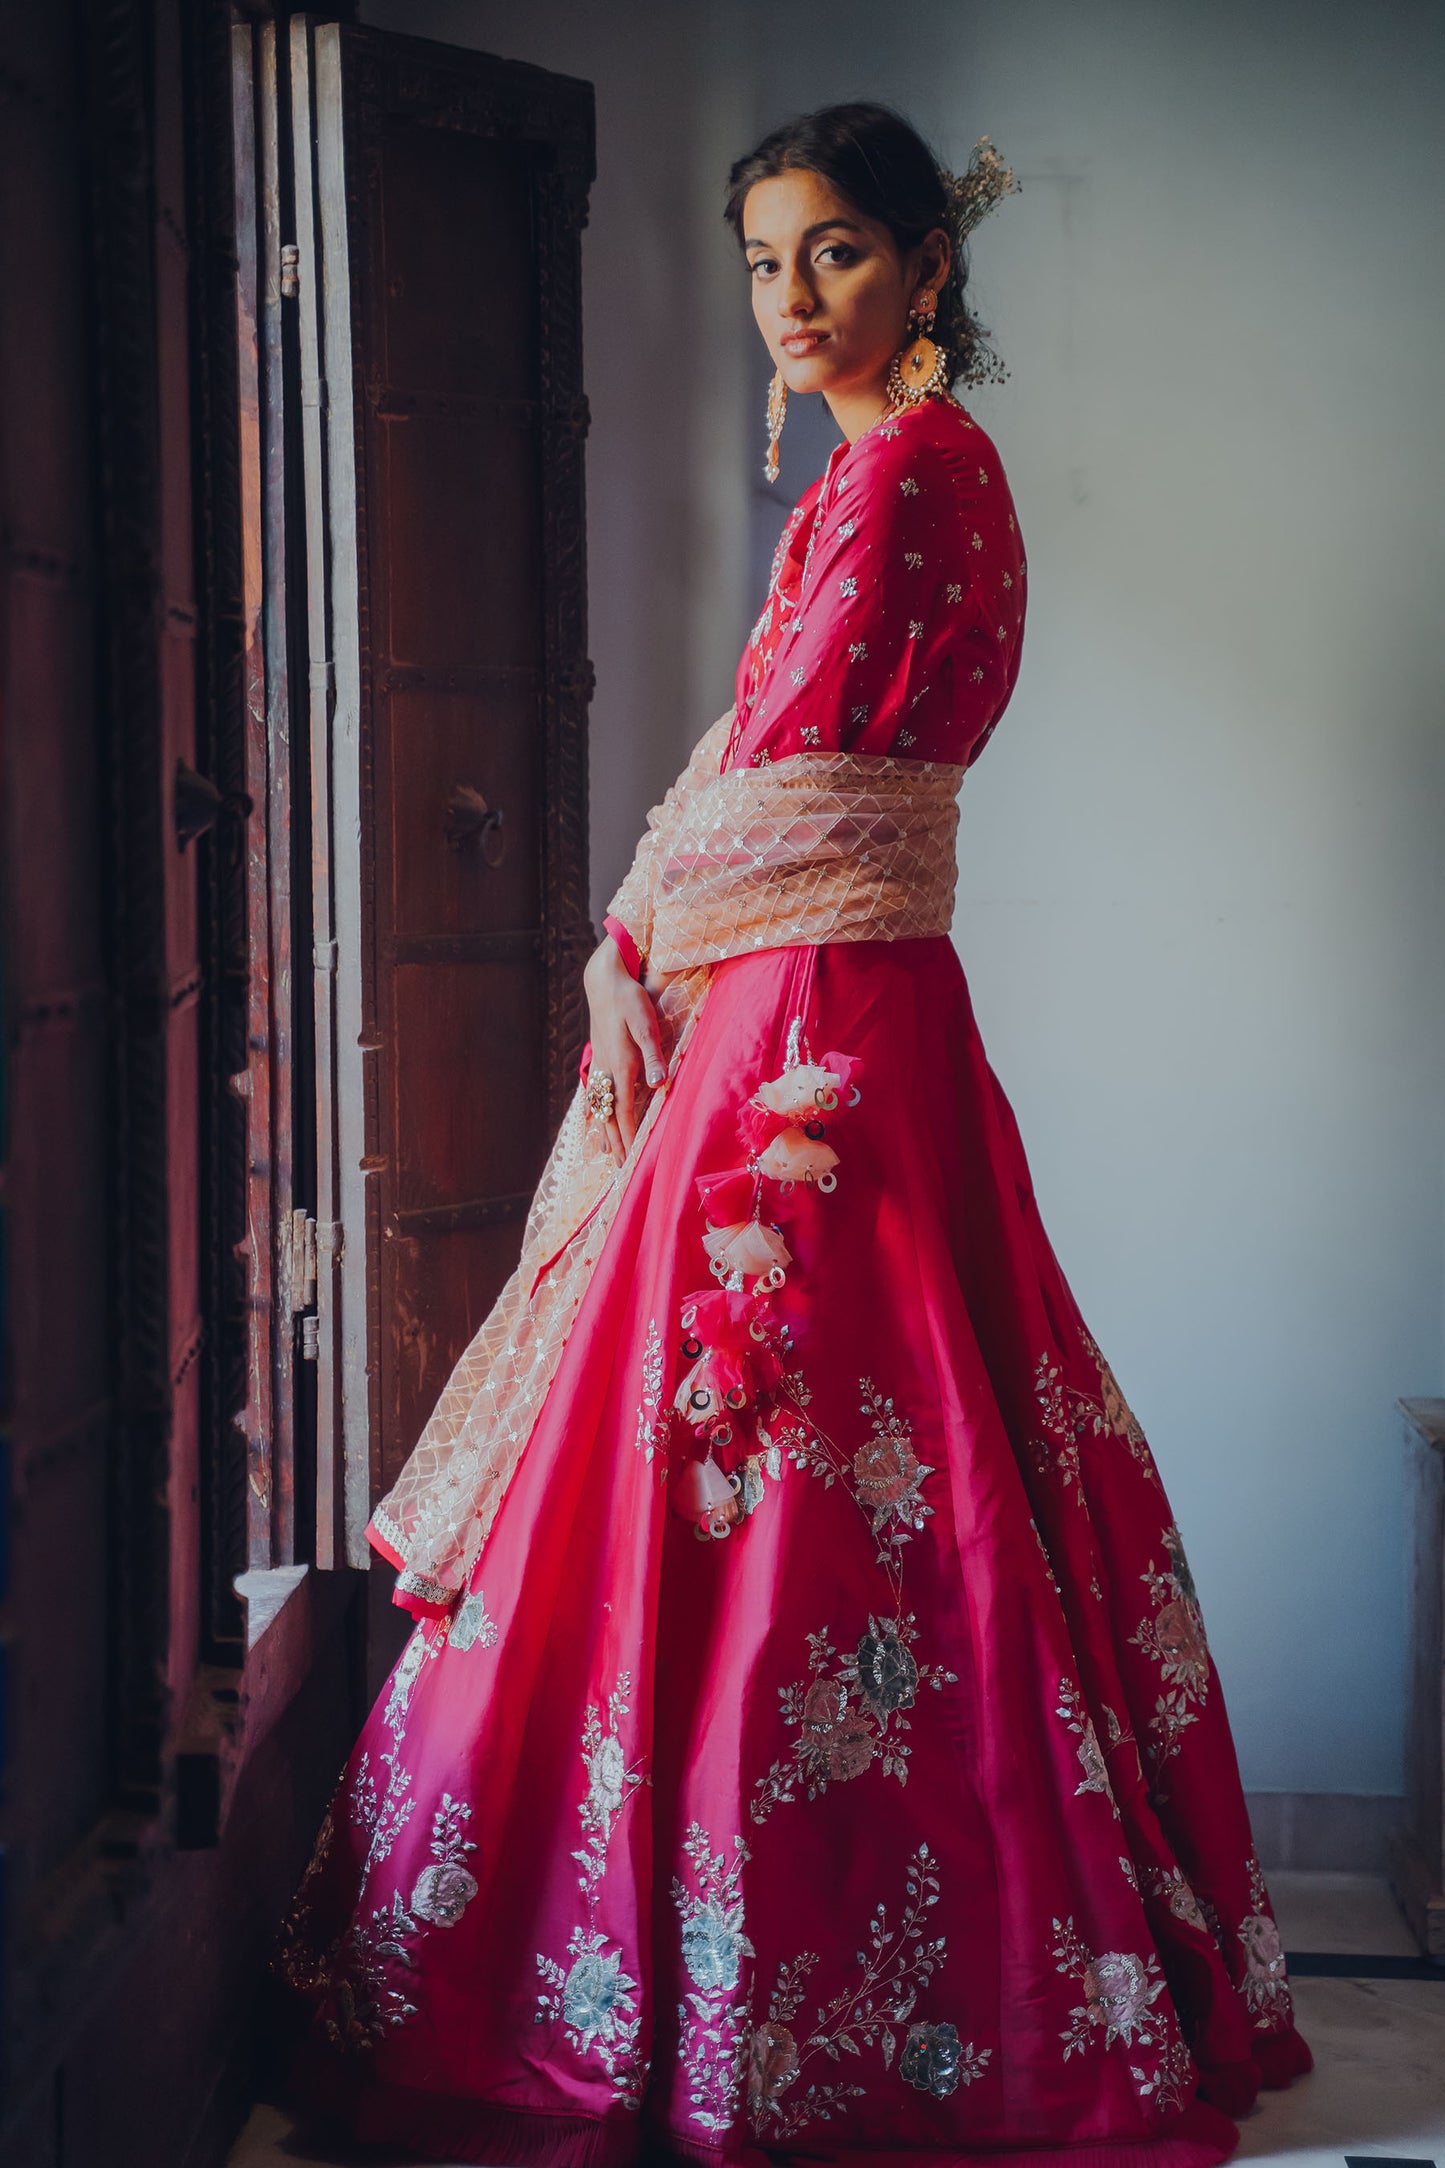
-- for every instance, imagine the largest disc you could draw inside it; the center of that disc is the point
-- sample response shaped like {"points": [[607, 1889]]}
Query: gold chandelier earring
{"points": [[777, 410], [920, 368]]}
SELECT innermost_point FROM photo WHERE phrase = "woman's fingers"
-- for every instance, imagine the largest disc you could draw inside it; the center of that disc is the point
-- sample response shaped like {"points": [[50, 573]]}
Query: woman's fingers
{"points": [[624, 1078], [627, 1046], [642, 1023]]}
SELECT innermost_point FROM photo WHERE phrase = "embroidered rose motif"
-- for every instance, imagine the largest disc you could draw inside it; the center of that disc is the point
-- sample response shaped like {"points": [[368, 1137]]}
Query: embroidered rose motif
{"points": [[1180, 1639], [1179, 1564], [772, 2063], [443, 1893], [931, 2059], [606, 1771], [887, 1473], [1117, 1412], [887, 1672], [1263, 1952], [1118, 1993], [471, 1627], [714, 1945], [1091, 1760], [839, 1740], [594, 1988]]}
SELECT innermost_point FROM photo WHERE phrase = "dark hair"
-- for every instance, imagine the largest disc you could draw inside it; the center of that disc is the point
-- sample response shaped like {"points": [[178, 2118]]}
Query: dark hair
{"points": [[880, 162]]}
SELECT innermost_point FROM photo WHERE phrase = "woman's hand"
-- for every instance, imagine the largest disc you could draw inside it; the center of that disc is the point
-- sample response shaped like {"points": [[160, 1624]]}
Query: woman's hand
{"points": [[626, 1043]]}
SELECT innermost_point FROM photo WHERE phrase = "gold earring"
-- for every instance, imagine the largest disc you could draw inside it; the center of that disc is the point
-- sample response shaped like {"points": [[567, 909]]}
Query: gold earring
{"points": [[777, 409], [920, 368]]}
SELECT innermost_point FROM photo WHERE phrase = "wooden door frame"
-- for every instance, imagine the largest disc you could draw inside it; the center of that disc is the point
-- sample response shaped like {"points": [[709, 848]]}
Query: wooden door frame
{"points": [[346, 83]]}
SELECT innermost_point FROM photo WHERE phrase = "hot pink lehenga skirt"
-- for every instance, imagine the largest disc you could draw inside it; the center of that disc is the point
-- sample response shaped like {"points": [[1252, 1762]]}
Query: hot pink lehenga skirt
{"points": [[905, 1821]]}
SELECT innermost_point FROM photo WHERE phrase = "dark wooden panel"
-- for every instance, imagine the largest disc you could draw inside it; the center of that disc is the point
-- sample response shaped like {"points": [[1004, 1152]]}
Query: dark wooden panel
{"points": [[458, 294], [463, 545], [468, 1105], [490, 742]]}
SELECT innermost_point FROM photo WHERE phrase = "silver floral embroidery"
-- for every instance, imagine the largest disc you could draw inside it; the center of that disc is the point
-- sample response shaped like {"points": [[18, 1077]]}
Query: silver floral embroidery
{"points": [[1172, 1885], [954, 591], [1174, 2081], [1120, 1990], [915, 628], [906, 738], [858, 651], [847, 529], [894, 1969], [1044, 1554], [977, 540], [978, 673], [913, 559], [859, 716], [1058, 1450], [595, 2000], [1091, 1755], [1111, 1414], [908, 486], [381, 1807], [848, 587], [445, 1889], [1174, 1638], [1070, 1416], [810, 734], [654, 1413], [1266, 1989], [351, 1980], [983, 475], [797, 676], [471, 1626], [1008, 579], [848, 1713], [714, 2018], [888, 1476]]}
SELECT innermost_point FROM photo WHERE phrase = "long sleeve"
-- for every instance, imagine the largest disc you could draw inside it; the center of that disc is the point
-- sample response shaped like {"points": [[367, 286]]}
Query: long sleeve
{"points": [[909, 618], [631, 907]]}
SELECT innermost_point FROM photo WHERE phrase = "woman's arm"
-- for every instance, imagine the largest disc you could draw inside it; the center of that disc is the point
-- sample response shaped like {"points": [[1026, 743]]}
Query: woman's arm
{"points": [[626, 1043]]}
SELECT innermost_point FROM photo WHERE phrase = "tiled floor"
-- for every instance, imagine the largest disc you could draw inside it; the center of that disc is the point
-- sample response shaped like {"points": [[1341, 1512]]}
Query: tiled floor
{"points": [[1378, 2085]]}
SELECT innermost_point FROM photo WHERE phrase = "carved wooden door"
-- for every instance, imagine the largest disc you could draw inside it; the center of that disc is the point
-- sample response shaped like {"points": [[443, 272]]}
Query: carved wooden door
{"points": [[440, 197]]}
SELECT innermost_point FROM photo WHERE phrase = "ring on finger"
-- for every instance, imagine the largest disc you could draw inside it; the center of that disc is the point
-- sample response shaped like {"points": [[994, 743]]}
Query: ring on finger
{"points": [[601, 1096]]}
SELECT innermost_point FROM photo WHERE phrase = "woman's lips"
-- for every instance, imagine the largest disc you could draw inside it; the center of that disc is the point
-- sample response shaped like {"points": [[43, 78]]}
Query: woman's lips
{"points": [[803, 342]]}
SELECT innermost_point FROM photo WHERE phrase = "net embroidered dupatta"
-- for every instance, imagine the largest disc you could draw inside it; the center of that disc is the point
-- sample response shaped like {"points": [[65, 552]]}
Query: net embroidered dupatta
{"points": [[820, 847]]}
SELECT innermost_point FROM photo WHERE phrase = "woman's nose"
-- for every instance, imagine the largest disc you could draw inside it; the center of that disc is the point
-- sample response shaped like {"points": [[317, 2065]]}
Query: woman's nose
{"points": [[795, 299]]}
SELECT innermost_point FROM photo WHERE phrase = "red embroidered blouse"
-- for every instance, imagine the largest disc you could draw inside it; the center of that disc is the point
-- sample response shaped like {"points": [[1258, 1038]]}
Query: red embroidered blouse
{"points": [[894, 616]]}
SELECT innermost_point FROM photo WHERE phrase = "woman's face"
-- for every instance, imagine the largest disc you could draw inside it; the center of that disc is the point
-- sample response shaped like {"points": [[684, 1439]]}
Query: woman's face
{"points": [[831, 292]]}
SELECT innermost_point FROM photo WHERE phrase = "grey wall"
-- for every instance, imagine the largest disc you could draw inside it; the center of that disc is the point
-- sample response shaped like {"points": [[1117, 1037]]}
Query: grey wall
{"points": [[1200, 904]]}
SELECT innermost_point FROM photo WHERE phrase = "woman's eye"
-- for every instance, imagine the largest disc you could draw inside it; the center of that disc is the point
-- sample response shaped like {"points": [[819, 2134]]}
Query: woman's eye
{"points": [[762, 263], [840, 250]]}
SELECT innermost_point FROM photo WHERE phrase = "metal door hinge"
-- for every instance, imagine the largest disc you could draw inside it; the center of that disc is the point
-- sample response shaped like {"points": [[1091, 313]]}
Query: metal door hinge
{"points": [[303, 1263]]}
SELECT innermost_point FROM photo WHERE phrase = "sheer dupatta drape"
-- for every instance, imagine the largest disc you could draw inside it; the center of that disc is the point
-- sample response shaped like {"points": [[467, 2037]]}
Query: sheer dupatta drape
{"points": [[818, 848]]}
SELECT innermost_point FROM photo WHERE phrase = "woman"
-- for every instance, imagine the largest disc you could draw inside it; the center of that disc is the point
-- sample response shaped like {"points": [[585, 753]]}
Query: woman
{"points": [[809, 1744]]}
